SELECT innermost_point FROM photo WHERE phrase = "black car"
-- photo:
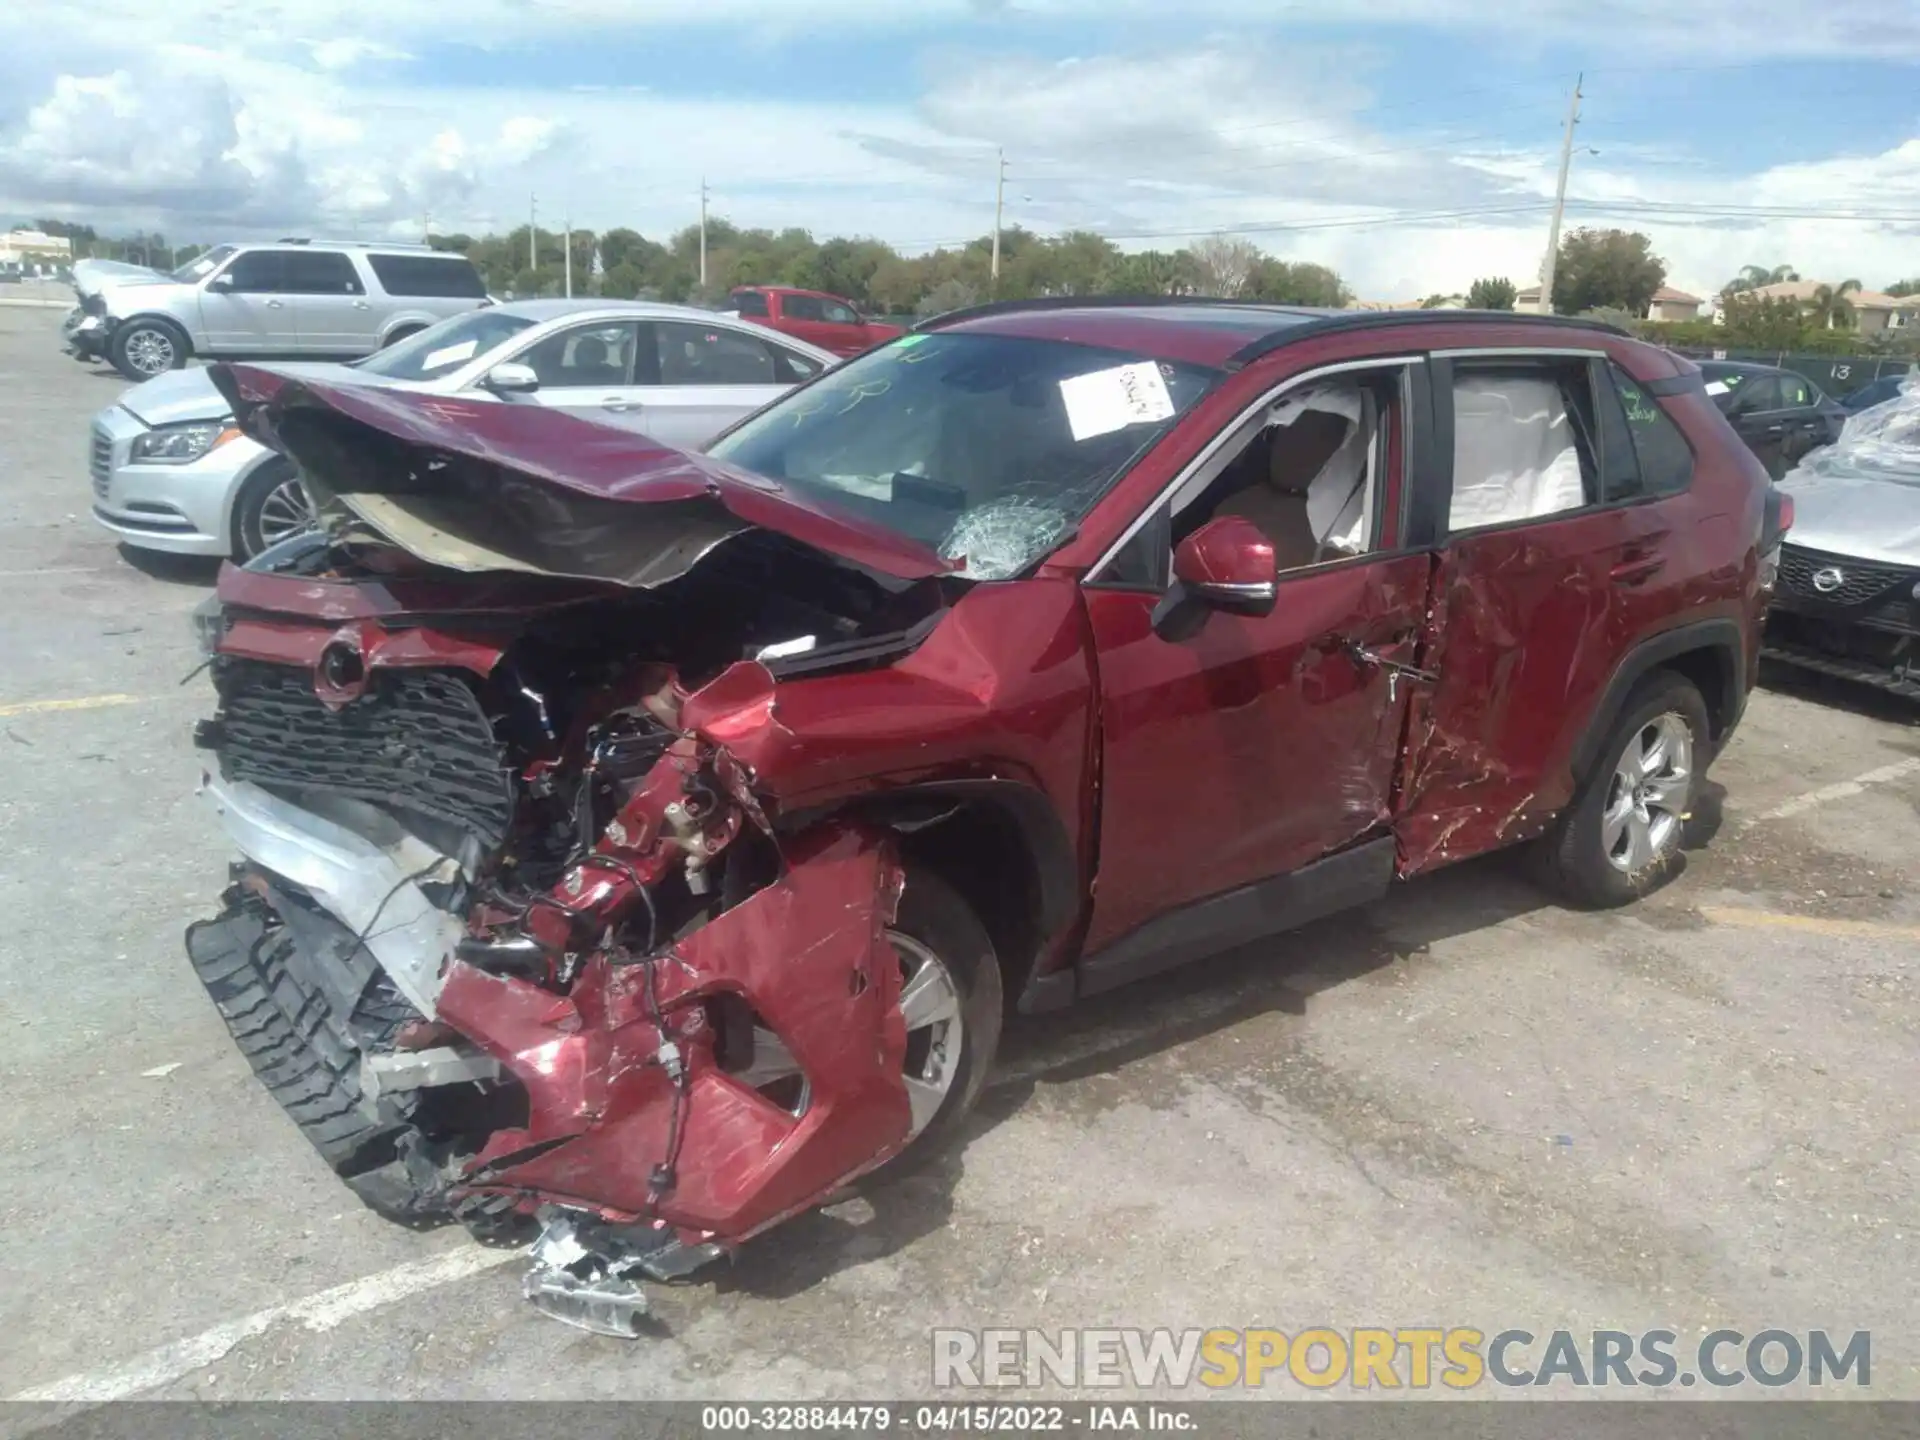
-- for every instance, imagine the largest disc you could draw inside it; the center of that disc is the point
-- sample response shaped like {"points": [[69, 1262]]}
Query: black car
{"points": [[1874, 392], [1781, 415]]}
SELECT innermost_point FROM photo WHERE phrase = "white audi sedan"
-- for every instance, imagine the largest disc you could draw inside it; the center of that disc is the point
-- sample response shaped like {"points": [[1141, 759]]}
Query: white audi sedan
{"points": [[170, 472]]}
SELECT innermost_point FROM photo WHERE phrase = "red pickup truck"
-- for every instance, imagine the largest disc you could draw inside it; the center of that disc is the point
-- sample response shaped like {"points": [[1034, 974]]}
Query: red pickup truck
{"points": [[810, 315]]}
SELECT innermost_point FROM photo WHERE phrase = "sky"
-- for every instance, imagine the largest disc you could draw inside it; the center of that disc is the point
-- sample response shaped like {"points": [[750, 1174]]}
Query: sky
{"points": [[1411, 144]]}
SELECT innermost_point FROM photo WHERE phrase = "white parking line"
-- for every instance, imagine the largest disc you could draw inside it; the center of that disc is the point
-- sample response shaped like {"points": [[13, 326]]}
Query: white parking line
{"points": [[1842, 790], [319, 1312], [84, 702]]}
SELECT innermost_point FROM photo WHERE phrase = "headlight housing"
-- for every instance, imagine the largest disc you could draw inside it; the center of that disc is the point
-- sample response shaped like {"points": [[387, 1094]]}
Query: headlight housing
{"points": [[209, 626], [182, 444]]}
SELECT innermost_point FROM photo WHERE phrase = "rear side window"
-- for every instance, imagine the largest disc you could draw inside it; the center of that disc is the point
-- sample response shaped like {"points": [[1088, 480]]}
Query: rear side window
{"points": [[1523, 443], [321, 272], [697, 355], [1642, 450], [749, 303], [444, 277]]}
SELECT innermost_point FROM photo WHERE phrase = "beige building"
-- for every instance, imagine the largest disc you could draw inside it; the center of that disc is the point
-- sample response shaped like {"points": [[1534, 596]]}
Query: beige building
{"points": [[33, 250], [1668, 303], [1872, 311]]}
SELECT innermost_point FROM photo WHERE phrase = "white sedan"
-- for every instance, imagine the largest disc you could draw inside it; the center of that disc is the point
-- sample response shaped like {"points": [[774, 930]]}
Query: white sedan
{"points": [[170, 472]]}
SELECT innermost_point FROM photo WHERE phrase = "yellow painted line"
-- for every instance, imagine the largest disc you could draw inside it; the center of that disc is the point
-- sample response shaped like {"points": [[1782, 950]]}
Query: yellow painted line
{"points": [[84, 702], [1808, 924]]}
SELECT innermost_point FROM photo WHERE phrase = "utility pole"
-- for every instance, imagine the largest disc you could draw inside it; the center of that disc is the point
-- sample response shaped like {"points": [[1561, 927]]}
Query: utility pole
{"points": [[703, 232], [533, 233], [568, 253], [1559, 201], [999, 208]]}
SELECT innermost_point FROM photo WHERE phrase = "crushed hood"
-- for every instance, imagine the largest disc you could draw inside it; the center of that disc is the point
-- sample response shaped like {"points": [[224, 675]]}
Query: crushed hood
{"points": [[481, 485], [1861, 495]]}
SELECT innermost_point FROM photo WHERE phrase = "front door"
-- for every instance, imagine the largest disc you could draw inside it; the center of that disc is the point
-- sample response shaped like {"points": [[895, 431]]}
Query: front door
{"points": [[1548, 573], [587, 370], [1240, 755], [244, 309]]}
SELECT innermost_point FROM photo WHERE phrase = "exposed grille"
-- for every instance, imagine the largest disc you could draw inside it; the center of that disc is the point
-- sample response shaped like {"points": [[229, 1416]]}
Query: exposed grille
{"points": [[416, 740], [1859, 580], [100, 460]]}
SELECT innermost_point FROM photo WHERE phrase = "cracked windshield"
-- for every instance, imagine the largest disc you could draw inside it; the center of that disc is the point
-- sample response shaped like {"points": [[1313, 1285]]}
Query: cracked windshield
{"points": [[988, 448]]}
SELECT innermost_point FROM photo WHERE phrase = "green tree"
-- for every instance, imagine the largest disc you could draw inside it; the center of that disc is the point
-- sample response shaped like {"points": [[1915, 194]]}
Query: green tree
{"points": [[947, 295], [1903, 288], [1150, 272], [623, 281], [1435, 302], [1606, 267], [1831, 306], [1492, 294], [1762, 322], [1752, 277], [1296, 282], [1222, 265]]}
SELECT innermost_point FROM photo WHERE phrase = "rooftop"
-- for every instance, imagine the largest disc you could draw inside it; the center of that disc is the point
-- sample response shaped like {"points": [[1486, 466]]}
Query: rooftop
{"points": [[1801, 291]]}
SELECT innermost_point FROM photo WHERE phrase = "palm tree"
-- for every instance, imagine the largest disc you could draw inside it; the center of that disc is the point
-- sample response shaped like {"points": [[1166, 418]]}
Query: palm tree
{"points": [[1753, 277], [1830, 307]]}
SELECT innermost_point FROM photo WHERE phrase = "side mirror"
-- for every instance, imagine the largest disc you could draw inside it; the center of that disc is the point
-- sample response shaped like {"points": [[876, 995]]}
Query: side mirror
{"points": [[511, 378], [1227, 564], [220, 282]]}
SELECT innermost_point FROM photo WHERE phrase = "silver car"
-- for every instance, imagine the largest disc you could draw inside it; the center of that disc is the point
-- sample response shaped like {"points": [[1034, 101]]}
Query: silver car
{"points": [[1847, 598], [170, 472], [333, 300]]}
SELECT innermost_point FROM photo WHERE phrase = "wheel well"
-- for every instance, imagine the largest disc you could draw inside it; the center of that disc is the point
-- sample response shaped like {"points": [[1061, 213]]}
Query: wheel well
{"points": [[401, 332], [122, 326], [1710, 668], [1002, 847], [268, 465]]}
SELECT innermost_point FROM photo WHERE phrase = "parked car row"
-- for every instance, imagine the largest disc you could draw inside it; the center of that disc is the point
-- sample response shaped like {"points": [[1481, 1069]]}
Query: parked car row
{"points": [[171, 471]]}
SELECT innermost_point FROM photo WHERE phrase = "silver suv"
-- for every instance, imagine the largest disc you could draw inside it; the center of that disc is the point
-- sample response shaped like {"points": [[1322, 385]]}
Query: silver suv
{"points": [[320, 300]]}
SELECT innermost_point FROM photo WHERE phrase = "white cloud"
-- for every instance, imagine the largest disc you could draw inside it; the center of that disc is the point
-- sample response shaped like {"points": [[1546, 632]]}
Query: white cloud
{"points": [[242, 131]]}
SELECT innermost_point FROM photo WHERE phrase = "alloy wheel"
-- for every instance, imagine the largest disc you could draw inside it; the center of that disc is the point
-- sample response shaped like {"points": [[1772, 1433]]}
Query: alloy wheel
{"points": [[1646, 801], [150, 351], [936, 1035], [286, 511]]}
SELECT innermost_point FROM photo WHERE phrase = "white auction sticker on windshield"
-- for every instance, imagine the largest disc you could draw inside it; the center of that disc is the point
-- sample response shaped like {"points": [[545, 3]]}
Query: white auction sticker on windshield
{"points": [[1108, 400], [1715, 387], [447, 354]]}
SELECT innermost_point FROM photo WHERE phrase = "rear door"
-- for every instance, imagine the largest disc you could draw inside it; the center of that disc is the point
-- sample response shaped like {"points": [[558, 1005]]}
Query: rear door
{"points": [[841, 329], [705, 377], [1558, 555], [251, 315], [331, 311], [1237, 758]]}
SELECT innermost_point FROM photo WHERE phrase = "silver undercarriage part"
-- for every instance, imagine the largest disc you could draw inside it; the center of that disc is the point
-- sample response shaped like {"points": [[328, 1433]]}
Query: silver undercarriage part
{"points": [[388, 1072], [587, 1274], [367, 876]]}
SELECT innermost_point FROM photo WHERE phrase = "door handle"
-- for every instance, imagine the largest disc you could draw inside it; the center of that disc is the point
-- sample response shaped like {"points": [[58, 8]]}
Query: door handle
{"points": [[275, 305], [1775, 430], [1369, 659], [616, 402], [361, 305], [1636, 567]]}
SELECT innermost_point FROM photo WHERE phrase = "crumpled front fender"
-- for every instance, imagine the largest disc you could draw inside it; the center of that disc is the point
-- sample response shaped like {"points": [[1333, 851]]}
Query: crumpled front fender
{"points": [[630, 1112]]}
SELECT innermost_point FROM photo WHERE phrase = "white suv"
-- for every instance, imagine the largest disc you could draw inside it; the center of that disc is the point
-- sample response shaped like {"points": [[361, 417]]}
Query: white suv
{"points": [[316, 300]]}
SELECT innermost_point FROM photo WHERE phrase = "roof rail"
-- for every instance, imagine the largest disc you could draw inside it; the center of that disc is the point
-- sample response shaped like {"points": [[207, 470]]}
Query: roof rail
{"points": [[1104, 302], [347, 244], [1330, 321]]}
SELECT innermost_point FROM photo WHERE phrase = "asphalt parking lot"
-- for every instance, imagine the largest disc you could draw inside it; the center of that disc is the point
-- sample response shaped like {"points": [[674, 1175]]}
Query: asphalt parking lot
{"points": [[1462, 1106]]}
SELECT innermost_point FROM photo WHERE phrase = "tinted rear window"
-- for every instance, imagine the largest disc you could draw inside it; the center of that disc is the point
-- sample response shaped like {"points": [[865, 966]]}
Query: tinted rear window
{"points": [[447, 277]]}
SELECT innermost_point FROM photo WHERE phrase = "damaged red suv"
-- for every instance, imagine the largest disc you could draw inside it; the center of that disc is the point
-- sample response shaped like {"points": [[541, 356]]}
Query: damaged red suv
{"points": [[649, 843]]}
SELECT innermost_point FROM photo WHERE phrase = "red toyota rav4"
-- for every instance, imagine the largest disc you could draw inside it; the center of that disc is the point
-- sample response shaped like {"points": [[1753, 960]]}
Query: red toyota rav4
{"points": [[646, 841]]}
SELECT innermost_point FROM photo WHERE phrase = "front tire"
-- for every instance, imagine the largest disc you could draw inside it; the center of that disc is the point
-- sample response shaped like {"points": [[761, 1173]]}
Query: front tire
{"points": [[272, 506], [1622, 836], [142, 349]]}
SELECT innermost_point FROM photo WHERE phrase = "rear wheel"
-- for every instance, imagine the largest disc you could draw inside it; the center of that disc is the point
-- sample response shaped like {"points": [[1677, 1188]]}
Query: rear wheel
{"points": [[1622, 836]]}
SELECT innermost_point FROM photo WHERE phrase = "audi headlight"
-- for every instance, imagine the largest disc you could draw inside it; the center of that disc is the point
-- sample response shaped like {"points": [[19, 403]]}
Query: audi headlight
{"points": [[181, 444]]}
